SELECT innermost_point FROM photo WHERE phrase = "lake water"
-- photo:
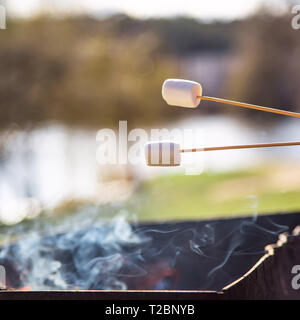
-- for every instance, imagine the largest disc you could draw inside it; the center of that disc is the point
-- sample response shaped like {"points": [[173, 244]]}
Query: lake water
{"points": [[49, 165]]}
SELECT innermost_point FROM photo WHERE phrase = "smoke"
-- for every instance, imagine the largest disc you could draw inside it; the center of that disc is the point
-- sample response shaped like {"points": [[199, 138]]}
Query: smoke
{"points": [[89, 258], [114, 254]]}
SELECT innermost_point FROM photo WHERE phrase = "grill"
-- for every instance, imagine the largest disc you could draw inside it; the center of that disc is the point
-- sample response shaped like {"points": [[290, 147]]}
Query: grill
{"points": [[259, 272]]}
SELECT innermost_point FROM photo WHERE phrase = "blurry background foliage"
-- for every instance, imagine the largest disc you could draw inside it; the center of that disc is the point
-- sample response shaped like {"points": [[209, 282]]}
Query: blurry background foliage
{"points": [[92, 72], [63, 78]]}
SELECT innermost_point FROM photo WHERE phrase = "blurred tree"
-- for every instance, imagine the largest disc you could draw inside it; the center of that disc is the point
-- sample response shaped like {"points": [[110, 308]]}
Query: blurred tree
{"points": [[267, 67], [93, 72], [79, 73]]}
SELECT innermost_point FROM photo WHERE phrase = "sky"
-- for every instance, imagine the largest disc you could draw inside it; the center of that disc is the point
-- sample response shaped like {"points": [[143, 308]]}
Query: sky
{"points": [[202, 9]]}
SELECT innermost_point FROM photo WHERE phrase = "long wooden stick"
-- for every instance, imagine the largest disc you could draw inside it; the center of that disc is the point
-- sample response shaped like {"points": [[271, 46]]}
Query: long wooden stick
{"points": [[251, 106], [244, 146]]}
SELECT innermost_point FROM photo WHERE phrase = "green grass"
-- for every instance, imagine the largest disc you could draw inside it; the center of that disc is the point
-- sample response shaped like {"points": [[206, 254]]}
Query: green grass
{"points": [[184, 197], [211, 195]]}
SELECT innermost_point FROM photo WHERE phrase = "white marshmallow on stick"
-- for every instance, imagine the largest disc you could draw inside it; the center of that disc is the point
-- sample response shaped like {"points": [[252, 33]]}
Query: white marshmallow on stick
{"points": [[168, 154], [183, 93], [188, 94], [163, 154]]}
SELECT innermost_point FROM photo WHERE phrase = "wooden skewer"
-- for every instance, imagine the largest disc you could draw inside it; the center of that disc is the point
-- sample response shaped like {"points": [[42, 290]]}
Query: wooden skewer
{"points": [[245, 146], [251, 106]]}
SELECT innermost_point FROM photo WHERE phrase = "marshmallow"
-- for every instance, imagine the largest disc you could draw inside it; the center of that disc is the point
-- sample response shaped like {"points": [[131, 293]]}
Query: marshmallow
{"points": [[182, 93], [162, 154]]}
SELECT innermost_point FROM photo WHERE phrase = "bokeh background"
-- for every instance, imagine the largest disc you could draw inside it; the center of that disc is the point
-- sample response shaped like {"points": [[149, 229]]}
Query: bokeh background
{"points": [[71, 68]]}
